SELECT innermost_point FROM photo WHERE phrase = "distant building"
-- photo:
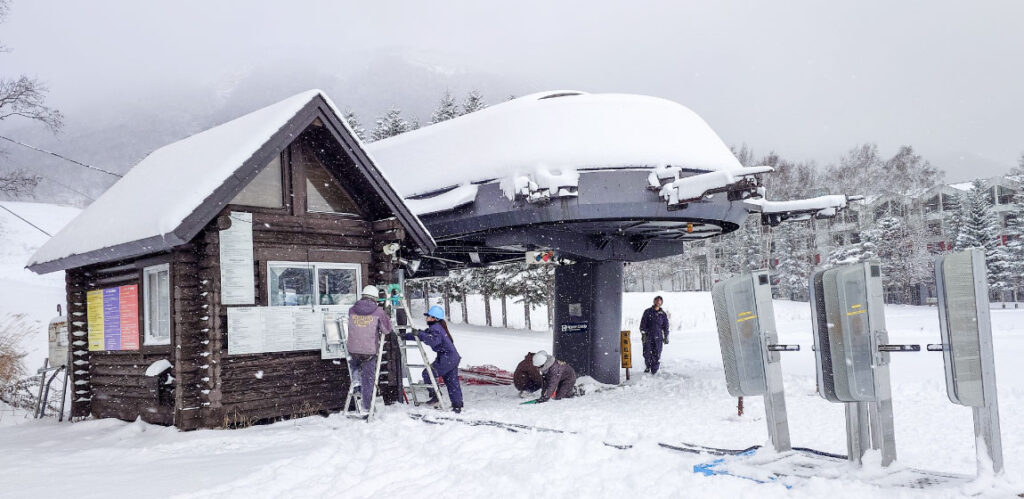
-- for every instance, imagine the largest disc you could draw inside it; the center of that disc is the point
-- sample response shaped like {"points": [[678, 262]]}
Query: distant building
{"points": [[933, 207]]}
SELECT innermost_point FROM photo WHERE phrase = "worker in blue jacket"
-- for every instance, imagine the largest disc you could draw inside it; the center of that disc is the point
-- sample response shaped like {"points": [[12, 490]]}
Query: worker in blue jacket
{"points": [[446, 365], [654, 331]]}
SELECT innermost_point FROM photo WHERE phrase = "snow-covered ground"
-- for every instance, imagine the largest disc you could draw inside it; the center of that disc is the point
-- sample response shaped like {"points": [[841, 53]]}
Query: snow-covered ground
{"points": [[399, 456]]}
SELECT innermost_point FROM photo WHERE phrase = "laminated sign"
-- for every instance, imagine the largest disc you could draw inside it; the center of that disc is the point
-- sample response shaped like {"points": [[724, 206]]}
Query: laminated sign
{"points": [[113, 317]]}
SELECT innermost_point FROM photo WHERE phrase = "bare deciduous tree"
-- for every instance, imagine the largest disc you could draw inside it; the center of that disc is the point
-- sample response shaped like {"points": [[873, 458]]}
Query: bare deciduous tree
{"points": [[23, 97]]}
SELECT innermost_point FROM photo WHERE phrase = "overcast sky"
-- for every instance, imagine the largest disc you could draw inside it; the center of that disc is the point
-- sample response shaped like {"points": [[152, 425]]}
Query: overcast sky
{"points": [[808, 79]]}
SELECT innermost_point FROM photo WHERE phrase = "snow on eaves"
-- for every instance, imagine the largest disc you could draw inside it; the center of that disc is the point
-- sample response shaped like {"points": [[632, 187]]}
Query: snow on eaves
{"points": [[158, 193], [555, 131]]}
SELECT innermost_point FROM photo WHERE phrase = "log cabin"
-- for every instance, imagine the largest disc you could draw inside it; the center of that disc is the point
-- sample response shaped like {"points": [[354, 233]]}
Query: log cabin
{"points": [[194, 282]]}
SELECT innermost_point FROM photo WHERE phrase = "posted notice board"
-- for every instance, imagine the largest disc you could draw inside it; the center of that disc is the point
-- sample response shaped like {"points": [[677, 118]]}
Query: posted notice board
{"points": [[273, 329], [237, 274], [113, 318]]}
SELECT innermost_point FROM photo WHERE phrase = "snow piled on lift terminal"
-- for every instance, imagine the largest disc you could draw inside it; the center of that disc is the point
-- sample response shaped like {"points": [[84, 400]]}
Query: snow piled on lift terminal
{"points": [[550, 135]]}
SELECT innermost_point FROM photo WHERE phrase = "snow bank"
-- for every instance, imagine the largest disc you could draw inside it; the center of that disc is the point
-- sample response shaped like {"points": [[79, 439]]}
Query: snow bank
{"points": [[560, 131]]}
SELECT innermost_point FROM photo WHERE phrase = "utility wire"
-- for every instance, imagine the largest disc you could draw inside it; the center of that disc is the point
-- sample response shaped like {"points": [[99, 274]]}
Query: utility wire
{"points": [[79, 163], [8, 210], [68, 187]]}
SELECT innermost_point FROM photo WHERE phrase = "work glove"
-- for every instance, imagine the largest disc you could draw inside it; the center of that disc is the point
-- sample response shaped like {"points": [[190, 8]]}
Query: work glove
{"points": [[643, 337], [666, 340]]}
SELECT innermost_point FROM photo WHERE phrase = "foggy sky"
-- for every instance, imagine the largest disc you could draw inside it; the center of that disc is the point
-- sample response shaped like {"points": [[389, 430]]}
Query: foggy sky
{"points": [[809, 79]]}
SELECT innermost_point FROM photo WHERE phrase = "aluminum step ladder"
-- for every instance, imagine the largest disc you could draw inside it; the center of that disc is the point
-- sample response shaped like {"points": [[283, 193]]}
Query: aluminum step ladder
{"points": [[354, 400], [416, 390]]}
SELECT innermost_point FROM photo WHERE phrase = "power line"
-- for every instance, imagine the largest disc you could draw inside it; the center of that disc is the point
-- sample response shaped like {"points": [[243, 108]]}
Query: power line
{"points": [[8, 210], [79, 163], [68, 187]]}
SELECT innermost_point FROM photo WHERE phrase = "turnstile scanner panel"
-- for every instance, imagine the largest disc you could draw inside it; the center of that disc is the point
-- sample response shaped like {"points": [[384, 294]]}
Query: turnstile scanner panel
{"points": [[737, 302], [848, 325]]}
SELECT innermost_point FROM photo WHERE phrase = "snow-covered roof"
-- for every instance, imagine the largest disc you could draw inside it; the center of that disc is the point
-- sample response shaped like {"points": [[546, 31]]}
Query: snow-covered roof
{"points": [[149, 205], [554, 131]]}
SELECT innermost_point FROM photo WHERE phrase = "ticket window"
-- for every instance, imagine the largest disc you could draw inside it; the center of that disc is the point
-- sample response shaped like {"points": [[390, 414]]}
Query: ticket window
{"points": [[331, 285]]}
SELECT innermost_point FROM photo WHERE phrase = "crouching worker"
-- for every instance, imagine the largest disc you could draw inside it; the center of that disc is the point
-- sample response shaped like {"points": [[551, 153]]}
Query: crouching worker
{"points": [[527, 377], [446, 365], [367, 322], [559, 377]]}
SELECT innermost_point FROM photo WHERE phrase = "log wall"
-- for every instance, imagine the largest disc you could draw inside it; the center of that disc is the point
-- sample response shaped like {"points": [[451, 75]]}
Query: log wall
{"points": [[113, 384]]}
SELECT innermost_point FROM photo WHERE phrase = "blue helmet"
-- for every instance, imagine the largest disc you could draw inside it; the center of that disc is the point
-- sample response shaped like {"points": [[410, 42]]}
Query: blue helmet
{"points": [[436, 312]]}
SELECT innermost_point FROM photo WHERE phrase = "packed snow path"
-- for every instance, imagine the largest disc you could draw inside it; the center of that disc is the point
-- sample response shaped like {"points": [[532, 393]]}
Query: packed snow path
{"points": [[402, 457]]}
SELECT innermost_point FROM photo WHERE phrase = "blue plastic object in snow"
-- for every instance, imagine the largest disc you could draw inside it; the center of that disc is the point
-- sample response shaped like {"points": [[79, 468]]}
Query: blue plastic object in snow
{"points": [[436, 312]]}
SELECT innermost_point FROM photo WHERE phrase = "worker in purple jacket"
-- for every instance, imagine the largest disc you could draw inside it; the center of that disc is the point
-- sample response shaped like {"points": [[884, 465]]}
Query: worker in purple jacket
{"points": [[654, 332], [367, 322], [559, 377], [446, 365]]}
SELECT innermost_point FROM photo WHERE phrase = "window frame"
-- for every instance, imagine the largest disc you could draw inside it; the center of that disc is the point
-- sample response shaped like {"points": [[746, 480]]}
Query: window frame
{"points": [[148, 339], [286, 193], [315, 267]]}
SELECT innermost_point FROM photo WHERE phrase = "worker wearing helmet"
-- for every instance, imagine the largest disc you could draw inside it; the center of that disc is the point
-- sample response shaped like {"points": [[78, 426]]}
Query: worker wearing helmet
{"points": [[446, 365], [367, 322], [559, 377]]}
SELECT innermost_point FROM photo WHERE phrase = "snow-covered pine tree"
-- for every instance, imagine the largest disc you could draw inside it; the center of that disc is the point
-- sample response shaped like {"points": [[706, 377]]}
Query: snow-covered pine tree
{"points": [[980, 228], [389, 125], [446, 109], [1015, 239], [903, 254], [955, 221], [353, 123], [792, 258], [852, 253], [474, 102]]}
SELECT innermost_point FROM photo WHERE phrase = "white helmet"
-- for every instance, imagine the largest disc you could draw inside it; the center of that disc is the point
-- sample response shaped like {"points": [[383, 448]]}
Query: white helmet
{"points": [[540, 358], [372, 291]]}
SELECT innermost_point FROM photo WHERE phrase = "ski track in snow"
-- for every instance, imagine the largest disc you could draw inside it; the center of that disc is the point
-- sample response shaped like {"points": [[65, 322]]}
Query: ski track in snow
{"points": [[401, 457]]}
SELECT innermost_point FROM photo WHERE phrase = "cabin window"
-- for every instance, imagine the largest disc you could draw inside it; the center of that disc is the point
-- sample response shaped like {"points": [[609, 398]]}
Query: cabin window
{"points": [[322, 284], [156, 295], [324, 195], [264, 190]]}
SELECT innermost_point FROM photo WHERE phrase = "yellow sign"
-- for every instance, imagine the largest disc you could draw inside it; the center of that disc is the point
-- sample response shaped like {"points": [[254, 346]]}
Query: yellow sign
{"points": [[745, 316], [94, 312], [627, 356], [856, 309]]}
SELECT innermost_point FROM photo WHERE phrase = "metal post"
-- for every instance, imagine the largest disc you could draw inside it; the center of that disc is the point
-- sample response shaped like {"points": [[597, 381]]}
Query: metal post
{"points": [[858, 433], [774, 396], [588, 318]]}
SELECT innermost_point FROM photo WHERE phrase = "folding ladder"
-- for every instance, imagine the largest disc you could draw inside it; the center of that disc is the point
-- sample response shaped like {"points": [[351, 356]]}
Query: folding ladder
{"points": [[413, 385], [354, 400]]}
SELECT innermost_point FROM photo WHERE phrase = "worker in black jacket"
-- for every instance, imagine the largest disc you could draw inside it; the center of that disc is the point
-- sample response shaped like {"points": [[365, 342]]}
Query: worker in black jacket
{"points": [[654, 332]]}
